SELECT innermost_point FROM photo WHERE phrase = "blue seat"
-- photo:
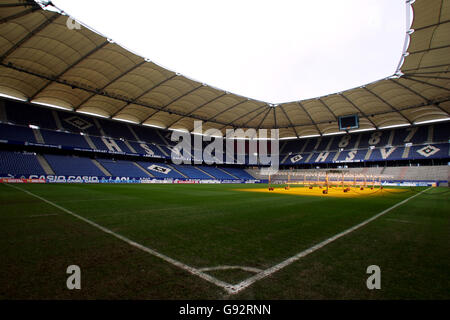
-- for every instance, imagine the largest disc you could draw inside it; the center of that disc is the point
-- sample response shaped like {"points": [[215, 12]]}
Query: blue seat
{"points": [[17, 163]]}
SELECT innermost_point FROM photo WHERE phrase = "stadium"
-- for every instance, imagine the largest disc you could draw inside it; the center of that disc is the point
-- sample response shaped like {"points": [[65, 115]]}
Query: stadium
{"points": [[91, 176]]}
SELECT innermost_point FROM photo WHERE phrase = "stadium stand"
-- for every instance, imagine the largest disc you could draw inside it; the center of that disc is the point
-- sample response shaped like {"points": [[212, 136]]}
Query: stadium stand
{"points": [[64, 139], [414, 142], [159, 170], [418, 173], [22, 114], [122, 168], [148, 134], [16, 133], [18, 163], [116, 129], [191, 172], [77, 123], [217, 173], [104, 136], [68, 165], [109, 144], [404, 173], [238, 173], [149, 149]]}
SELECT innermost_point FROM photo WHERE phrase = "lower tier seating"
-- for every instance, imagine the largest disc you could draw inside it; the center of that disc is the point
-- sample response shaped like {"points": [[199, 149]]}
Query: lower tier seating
{"points": [[18, 163], [68, 165]]}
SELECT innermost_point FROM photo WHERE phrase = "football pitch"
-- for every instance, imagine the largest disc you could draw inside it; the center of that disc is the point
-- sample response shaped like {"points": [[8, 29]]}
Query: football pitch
{"points": [[203, 241]]}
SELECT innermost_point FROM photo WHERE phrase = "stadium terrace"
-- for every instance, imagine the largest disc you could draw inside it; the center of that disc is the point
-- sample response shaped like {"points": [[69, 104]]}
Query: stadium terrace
{"points": [[254, 143]]}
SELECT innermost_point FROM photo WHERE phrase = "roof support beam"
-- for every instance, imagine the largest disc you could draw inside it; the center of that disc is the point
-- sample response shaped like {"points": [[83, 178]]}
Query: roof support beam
{"points": [[68, 69], [110, 83], [135, 100], [275, 118], [429, 49], [29, 35], [247, 113], [428, 67], [227, 109], [164, 108], [12, 5], [309, 116], [19, 14], [388, 104], [435, 102], [440, 108], [426, 72], [359, 110], [429, 102], [410, 90], [289, 120], [328, 108], [195, 109], [415, 75], [262, 120], [432, 25], [254, 117], [96, 91], [426, 83]]}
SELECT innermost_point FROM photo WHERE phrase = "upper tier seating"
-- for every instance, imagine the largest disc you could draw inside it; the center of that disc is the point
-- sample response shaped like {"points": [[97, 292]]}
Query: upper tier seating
{"points": [[432, 151], [16, 133], [64, 139], [381, 145], [24, 114], [116, 129], [109, 144], [441, 132], [148, 134], [146, 148], [77, 122]]}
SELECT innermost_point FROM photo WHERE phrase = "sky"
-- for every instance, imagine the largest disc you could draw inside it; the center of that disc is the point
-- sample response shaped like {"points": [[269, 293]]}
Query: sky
{"points": [[273, 51]]}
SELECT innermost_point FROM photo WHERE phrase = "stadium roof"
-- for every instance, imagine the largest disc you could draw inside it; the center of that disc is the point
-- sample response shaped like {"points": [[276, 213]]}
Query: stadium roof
{"points": [[43, 60]]}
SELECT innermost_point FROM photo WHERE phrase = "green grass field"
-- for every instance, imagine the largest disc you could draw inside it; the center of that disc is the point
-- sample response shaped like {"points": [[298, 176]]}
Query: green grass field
{"points": [[206, 226]]}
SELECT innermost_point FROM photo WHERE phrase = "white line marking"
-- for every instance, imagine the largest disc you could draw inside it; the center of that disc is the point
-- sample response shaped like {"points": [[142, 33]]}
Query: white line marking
{"points": [[248, 282], [174, 262], [249, 269]]}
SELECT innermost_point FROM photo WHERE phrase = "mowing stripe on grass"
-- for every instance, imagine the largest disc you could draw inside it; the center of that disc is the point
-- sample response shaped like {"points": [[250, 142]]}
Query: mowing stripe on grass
{"points": [[43, 215], [248, 269], [246, 283], [174, 262], [401, 221]]}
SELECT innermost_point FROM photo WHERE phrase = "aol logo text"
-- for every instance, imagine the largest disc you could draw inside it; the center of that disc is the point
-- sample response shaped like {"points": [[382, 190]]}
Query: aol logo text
{"points": [[72, 24], [74, 280], [374, 281]]}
